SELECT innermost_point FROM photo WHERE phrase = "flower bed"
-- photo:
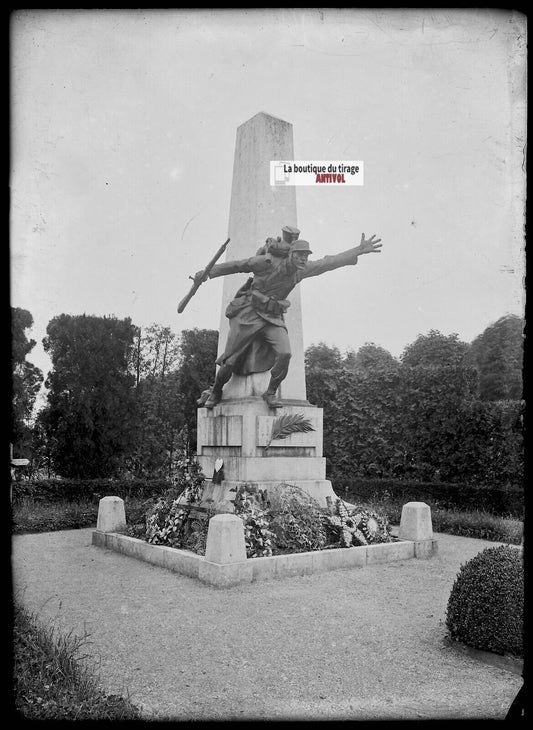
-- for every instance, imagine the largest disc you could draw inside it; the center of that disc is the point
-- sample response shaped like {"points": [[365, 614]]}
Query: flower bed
{"points": [[282, 520]]}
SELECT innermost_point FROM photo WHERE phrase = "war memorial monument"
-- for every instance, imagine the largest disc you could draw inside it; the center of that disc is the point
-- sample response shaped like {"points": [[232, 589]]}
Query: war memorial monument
{"points": [[255, 424]]}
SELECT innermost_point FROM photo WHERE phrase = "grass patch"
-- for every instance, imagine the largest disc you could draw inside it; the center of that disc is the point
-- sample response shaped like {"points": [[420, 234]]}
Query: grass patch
{"points": [[52, 679], [30, 515], [481, 525]]}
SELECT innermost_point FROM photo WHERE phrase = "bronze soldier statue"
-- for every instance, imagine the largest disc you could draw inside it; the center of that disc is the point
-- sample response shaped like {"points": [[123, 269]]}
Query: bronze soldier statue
{"points": [[258, 340]]}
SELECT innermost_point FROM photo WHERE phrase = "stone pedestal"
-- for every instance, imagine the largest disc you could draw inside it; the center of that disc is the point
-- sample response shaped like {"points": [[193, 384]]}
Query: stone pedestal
{"points": [[238, 432]]}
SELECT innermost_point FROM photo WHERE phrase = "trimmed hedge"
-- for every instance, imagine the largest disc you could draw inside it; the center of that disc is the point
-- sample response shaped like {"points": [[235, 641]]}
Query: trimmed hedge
{"points": [[59, 490], [495, 500]]}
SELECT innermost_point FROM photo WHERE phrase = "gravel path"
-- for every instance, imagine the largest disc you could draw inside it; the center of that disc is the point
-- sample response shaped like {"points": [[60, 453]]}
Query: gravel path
{"points": [[359, 644]]}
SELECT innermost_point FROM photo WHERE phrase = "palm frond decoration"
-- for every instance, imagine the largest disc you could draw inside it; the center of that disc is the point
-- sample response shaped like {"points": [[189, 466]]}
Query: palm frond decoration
{"points": [[287, 424]]}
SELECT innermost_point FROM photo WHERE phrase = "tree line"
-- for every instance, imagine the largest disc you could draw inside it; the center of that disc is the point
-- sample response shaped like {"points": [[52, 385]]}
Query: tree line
{"points": [[121, 401]]}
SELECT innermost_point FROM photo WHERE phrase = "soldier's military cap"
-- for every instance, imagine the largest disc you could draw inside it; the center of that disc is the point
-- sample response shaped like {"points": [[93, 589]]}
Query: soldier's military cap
{"points": [[301, 245]]}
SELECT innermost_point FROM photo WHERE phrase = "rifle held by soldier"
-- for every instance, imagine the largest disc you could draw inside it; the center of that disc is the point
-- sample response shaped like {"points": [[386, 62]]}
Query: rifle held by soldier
{"points": [[198, 282]]}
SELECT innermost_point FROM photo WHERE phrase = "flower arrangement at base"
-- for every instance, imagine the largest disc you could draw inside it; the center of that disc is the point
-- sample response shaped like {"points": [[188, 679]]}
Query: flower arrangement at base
{"points": [[188, 479], [355, 526], [251, 508], [286, 519], [296, 520], [279, 520], [164, 526], [177, 519]]}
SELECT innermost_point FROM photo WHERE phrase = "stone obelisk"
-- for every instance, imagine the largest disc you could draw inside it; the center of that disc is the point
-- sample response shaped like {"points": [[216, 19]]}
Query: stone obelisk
{"points": [[259, 210], [238, 430]]}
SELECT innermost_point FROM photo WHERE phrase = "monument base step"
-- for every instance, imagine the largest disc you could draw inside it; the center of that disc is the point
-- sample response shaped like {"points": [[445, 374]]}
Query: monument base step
{"points": [[318, 489], [257, 469]]}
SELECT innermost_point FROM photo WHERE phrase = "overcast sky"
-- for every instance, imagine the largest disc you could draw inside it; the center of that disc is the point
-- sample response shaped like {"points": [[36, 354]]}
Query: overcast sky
{"points": [[123, 131]]}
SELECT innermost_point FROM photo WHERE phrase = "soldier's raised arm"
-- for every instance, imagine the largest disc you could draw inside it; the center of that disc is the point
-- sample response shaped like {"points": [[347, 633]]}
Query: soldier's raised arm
{"points": [[345, 258]]}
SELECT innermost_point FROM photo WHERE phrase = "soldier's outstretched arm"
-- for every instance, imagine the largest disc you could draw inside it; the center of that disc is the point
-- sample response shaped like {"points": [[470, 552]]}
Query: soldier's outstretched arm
{"points": [[255, 265], [345, 258]]}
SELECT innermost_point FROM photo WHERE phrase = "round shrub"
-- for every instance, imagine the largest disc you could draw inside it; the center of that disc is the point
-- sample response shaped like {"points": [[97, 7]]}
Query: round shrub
{"points": [[486, 605]]}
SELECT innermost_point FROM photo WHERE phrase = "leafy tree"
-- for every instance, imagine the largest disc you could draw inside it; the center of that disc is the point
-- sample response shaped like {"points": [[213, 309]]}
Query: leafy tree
{"points": [[323, 365], [158, 412], [195, 372], [44, 444], [370, 358], [171, 374], [155, 354], [323, 368], [497, 355], [158, 421], [435, 349], [91, 407], [26, 380]]}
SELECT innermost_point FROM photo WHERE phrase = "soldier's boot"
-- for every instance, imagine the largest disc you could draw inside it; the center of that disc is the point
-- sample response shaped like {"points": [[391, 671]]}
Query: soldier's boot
{"points": [[223, 375], [269, 396], [214, 397]]}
